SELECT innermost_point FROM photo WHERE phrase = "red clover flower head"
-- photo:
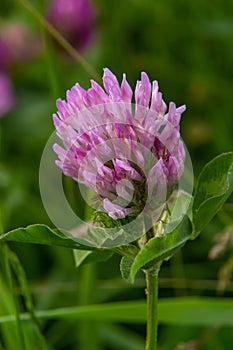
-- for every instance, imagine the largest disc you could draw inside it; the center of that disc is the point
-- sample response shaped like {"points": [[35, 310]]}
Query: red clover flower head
{"points": [[131, 155], [18, 44]]}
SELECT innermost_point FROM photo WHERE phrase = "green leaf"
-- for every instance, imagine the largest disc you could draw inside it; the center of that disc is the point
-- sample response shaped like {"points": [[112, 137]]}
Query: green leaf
{"points": [[25, 292], [125, 267], [41, 234], [181, 206], [195, 311], [129, 250], [214, 186], [106, 237], [90, 256], [160, 248]]}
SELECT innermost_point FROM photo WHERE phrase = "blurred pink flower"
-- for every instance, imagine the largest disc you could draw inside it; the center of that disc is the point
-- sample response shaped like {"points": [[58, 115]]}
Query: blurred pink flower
{"points": [[17, 44], [74, 19], [6, 94], [124, 152], [4, 54]]}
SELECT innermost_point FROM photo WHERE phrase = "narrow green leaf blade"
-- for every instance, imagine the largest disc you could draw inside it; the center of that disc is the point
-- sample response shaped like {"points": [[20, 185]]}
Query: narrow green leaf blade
{"points": [[196, 311], [160, 248], [214, 186], [193, 311], [24, 288], [41, 234]]}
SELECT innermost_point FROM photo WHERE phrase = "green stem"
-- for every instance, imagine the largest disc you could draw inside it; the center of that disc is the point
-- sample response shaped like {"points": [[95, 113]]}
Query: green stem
{"points": [[152, 301], [88, 330], [88, 338]]}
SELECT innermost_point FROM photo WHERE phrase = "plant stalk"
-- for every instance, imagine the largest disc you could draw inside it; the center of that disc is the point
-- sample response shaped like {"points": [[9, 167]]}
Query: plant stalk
{"points": [[152, 307]]}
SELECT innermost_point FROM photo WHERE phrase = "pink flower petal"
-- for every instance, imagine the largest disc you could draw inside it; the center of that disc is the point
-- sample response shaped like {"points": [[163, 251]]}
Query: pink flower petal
{"points": [[115, 211]]}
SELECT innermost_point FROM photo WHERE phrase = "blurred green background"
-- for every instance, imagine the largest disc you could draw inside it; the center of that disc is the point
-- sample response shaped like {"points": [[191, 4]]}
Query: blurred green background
{"points": [[187, 47]]}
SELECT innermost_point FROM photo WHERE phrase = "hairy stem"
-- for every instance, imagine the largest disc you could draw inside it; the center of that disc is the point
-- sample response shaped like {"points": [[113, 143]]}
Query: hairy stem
{"points": [[152, 301]]}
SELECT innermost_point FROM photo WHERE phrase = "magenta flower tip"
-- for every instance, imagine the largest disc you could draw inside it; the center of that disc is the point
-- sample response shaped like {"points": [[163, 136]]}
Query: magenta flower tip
{"points": [[7, 99], [115, 211]]}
